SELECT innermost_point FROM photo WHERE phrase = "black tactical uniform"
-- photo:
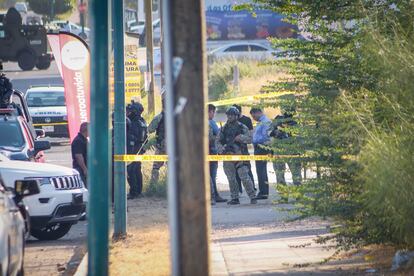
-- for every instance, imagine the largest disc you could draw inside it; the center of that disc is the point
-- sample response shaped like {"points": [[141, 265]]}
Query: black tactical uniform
{"points": [[136, 138]]}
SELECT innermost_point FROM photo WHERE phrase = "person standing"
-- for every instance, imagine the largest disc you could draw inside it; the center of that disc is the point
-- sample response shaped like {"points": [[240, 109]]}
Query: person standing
{"points": [[79, 149], [213, 132], [281, 132], [248, 123], [157, 125], [261, 140], [233, 139], [136, 138]]}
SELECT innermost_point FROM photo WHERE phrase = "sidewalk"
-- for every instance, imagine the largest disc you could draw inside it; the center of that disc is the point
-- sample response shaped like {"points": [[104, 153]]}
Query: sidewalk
{"points": [[252, 240]]}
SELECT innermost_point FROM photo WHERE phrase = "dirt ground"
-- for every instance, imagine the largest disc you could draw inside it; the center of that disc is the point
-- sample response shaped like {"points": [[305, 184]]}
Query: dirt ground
{"points": [[146, 249]]}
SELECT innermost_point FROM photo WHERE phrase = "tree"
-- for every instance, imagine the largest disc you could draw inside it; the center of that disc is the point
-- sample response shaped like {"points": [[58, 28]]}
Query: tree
{"points": [[47, 8], [355, 118]]}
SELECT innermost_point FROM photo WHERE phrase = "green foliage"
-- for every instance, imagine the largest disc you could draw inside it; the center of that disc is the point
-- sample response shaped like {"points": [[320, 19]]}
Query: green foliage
{"points": [[45, 6], [158, 189], [355, 120]]}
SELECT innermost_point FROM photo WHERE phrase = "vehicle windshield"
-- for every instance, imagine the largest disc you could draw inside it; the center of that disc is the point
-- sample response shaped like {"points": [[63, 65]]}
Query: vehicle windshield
{"points": [[11, 135], [21, 7], [42, 99]]}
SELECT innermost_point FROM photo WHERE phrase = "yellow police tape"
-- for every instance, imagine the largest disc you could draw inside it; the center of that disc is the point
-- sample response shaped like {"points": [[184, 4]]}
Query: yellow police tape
{"points": [[164, 158], [50, 124], [252, 98]]}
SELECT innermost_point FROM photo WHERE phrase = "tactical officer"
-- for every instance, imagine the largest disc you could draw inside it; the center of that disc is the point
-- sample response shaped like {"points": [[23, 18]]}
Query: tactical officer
{"points": [[233, 139], [157, 125], [284, 138], [136, 138], [247, 122]]}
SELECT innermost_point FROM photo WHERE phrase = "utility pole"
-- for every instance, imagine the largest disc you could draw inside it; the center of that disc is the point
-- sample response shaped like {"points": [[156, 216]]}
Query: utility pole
{"points": [[150, 56], [52, 10], [120, 202], [82, 10], [99, 169], [185, 118]]}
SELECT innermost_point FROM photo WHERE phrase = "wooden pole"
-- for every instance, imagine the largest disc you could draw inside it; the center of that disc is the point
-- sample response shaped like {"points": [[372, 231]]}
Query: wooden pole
{"points": [[186, 118], [150, 56]]}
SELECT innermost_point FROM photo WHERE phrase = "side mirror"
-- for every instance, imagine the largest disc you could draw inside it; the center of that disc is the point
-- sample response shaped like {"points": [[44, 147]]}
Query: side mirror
{"points": [[23, 188], [40, 133], [41, 145]]}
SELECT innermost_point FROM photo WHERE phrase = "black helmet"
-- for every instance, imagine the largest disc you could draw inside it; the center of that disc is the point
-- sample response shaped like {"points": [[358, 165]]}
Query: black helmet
{"points": [[136, 108], [232, 111]]}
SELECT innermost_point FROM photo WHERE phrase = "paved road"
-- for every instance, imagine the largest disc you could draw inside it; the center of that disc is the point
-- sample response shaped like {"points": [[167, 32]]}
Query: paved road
{"points": [[22, 80]]}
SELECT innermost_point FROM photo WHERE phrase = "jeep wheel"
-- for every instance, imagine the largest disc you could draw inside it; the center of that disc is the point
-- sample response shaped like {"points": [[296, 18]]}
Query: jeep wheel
{"points": [[26, 61], [51, 232], [43, 63]]}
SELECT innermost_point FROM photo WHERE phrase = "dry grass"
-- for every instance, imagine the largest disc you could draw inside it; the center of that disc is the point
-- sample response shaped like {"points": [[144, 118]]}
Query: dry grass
{"points": [[146, 249], [253, 86]]}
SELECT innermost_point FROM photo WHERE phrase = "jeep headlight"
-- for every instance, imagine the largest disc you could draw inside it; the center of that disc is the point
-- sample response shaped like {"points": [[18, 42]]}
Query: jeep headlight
{"points": [[44, 181]]}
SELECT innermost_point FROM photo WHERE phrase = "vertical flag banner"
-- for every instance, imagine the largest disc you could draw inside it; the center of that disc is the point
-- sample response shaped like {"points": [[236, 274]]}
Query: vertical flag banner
{"points": [[75, 65]]}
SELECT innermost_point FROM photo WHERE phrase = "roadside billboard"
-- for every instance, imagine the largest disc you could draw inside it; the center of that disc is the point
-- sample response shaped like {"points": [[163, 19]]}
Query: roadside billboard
{"points": [[245, 25]]}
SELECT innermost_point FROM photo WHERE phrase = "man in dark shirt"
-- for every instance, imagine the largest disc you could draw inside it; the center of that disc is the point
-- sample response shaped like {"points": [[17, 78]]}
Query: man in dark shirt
{"points": [[79, 150], [244, 119], [247, 122]]}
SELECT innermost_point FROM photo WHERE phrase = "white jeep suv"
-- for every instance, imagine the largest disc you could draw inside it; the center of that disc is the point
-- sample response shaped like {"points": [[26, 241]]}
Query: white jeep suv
{"points": [[61, 201]]}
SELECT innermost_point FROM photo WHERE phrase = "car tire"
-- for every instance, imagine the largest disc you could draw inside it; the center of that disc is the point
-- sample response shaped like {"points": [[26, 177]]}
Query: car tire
{"points": [[51, 232], [43, 63], [26, 60]]}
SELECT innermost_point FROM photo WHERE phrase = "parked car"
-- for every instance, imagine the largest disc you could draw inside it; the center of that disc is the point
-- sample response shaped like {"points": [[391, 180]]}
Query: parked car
{"points": [[135, 27], [12, 225], [61, 201], [156, 33], [17, 140], [243, 50], [73, 28], [47, 108]]}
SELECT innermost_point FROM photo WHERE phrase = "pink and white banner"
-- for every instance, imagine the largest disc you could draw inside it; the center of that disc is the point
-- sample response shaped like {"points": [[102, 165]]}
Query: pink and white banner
{"points": [[73, 60]]}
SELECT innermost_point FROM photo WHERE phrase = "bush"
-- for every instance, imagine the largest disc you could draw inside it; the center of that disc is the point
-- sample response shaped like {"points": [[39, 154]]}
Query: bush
{"points": [[388, 178], [156, 189]]}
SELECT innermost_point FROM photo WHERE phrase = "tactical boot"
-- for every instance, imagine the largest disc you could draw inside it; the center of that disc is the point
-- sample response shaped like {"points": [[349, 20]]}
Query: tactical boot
{"points": [[219, 199], [131, 196], [234, 201], [253, 201], [213, 201]]}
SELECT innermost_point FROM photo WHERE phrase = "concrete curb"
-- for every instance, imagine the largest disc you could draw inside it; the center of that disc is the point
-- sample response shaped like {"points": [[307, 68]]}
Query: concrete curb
{"points": [[82, 269]]}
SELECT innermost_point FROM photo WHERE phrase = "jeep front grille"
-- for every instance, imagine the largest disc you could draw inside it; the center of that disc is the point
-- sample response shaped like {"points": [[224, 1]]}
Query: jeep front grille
{"points": [[67, 182], [50, 119]]}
